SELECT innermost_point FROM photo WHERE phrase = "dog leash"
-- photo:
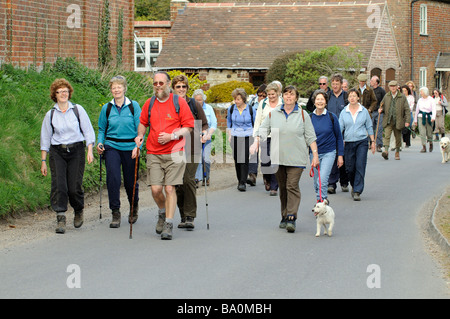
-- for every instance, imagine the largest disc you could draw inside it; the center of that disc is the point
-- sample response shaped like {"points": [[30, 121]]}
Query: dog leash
{"points": [[311, 174]]}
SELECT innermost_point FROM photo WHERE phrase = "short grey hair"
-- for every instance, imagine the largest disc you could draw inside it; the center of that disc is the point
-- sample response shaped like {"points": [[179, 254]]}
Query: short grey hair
{"points": [[425, 90], [199, 92]]}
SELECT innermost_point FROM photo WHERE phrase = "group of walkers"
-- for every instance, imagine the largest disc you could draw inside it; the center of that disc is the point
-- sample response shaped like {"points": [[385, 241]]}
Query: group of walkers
{"points": [[172, 163], [332, 136]]}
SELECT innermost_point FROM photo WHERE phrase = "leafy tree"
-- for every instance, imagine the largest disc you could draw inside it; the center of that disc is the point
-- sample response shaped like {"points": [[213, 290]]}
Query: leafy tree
{"points": [[304, 70], [152, 10]]}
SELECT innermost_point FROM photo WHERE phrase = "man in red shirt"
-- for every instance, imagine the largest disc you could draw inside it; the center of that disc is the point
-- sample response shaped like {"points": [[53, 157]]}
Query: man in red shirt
{"points": [[165, 148]]}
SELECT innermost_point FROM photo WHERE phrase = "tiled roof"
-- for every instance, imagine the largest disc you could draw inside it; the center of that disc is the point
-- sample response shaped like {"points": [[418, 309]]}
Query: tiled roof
{"points": [[443, 62], [251, 36]]}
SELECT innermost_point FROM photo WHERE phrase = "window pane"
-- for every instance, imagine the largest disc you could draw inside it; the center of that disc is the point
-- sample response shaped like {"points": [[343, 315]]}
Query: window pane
{"points": [[154, 46], [140, 61], [138, 47]]}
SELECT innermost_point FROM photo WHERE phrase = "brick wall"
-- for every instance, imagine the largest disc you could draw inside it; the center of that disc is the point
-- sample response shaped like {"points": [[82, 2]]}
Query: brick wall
{"points": [[152, 29], [34, 31]]}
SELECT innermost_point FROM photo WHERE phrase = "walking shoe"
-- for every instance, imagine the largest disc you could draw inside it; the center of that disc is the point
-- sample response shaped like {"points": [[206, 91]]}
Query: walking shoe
{"points": [[290, 224], [190, 223], [344, 188], [282, 223], [431, 147], [356, 197], [273, 192], [132, 220], [61, 224], [385, 155], [379, 150], [251, 180], [115, 223], [397, 155], [331, 190], [241, 187], [78, 219], [160, 223], [167, 231], [182, 223]]}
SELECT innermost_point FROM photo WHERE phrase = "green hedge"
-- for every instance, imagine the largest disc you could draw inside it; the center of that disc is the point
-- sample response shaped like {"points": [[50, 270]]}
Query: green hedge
{"points": [[24, 101]]}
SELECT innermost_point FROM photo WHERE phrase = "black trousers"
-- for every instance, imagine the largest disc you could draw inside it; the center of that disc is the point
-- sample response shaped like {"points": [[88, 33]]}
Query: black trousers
{"points": [[67, 170], [241, 156]]}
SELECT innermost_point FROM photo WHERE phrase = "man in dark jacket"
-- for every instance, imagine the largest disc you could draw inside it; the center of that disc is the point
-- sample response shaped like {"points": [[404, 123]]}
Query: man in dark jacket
{"points": [[379, 94], [396, 116], [323, 85], [368, 98]]}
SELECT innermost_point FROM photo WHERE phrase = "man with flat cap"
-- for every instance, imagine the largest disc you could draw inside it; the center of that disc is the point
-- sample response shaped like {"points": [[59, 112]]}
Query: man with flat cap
{"points": [[368, 98], [396, 116]]}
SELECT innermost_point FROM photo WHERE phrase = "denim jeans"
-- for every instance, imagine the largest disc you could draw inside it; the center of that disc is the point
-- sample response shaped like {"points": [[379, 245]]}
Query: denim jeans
{"points": [[355, 154], [326, 161]]}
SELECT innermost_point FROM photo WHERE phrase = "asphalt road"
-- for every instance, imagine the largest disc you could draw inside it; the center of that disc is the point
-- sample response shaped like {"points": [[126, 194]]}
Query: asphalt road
{"points": [[376, 251]]}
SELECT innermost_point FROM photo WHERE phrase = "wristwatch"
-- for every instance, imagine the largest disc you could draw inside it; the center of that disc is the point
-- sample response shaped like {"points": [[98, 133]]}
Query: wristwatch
{"points": [[175, 136]]}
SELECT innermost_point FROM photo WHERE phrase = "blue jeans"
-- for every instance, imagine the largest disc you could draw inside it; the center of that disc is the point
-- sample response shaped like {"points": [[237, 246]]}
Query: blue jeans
{"points": [[355, 154], [206, 156], [326, 161]]}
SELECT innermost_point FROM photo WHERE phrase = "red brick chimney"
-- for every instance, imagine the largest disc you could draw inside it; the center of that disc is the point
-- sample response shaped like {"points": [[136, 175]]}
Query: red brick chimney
{"points": [[175, 7]]}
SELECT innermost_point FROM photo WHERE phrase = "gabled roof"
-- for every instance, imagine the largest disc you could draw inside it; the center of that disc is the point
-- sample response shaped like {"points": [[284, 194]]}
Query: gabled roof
{"points": [[443, 62], [252, 35]]}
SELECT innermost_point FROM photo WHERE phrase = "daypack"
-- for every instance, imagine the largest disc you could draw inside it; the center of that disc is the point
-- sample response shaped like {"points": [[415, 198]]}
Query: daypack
{"points": [[75, 110], [108, 111], [251, 114], [176, 103]]}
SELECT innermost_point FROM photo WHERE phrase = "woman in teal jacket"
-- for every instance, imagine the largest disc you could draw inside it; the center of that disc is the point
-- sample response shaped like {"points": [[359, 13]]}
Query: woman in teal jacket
{"points": [[117, 128]]}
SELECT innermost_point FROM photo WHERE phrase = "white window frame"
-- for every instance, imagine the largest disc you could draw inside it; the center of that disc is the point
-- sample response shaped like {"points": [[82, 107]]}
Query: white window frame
{"points": [[423, 19], [422, 77], [148, 56]]}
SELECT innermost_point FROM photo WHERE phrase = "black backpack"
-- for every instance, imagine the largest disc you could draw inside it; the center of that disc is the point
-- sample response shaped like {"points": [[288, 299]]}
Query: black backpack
{"points": [[251, 114], [75, 110]]}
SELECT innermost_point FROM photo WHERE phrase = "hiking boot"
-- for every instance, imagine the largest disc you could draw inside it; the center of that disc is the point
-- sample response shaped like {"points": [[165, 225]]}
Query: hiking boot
{"points": [[78, 219], [424, 149], [273, 193], [189, 223], [241, 187], [182, 224], [385, 155], [132, 220], [344, 188], [331, 190], [160, 223], [431, 147], [251, 180], [61, 224], [397, 155], [115, 223], [167, 231], [379, 150], [356, 197], [290, 224], [282, 223]]}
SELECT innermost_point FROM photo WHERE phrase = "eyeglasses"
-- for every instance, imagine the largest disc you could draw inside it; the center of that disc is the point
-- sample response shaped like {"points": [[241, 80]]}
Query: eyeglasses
{"points": [[322, 84], [62, 92], [181, 86], [158, 83]]}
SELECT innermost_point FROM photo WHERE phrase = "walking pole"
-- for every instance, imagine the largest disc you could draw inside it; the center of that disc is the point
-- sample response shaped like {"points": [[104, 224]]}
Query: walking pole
{"points": [[206, 187], [134, 191], [100, 186]]}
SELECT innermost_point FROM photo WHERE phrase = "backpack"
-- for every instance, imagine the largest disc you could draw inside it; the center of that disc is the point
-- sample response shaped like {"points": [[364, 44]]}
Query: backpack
{"points": [[75, 110], [108, 111], [251, 114], [176, 102]]}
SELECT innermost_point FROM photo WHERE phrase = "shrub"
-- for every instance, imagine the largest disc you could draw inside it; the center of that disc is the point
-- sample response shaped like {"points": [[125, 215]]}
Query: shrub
{"points": [[277, 71], [222, 92]]}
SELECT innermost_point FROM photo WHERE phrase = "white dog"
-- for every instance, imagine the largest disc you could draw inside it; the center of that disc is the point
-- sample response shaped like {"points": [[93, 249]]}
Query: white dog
{"points": [[444, 144], [324, 216]]}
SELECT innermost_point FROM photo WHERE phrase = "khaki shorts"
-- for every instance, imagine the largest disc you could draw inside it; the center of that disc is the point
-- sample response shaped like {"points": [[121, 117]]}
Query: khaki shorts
{"points": [[166, 169]]}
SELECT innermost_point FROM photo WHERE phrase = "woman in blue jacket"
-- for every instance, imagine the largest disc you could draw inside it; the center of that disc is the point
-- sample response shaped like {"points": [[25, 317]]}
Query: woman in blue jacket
{"points": [[329, 142], [117, 129]]}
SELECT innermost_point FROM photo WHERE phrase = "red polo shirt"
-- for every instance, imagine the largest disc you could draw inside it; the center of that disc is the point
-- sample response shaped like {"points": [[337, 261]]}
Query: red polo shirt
{"points": [[164, 118]]}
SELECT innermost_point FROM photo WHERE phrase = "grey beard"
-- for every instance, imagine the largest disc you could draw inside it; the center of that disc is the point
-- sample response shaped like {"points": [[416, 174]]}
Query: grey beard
{"points": [[163, 95]]}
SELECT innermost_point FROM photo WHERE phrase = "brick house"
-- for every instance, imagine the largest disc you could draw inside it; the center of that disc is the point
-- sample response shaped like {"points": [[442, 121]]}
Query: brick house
{"points": [[239, 40], [37, 32]]}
